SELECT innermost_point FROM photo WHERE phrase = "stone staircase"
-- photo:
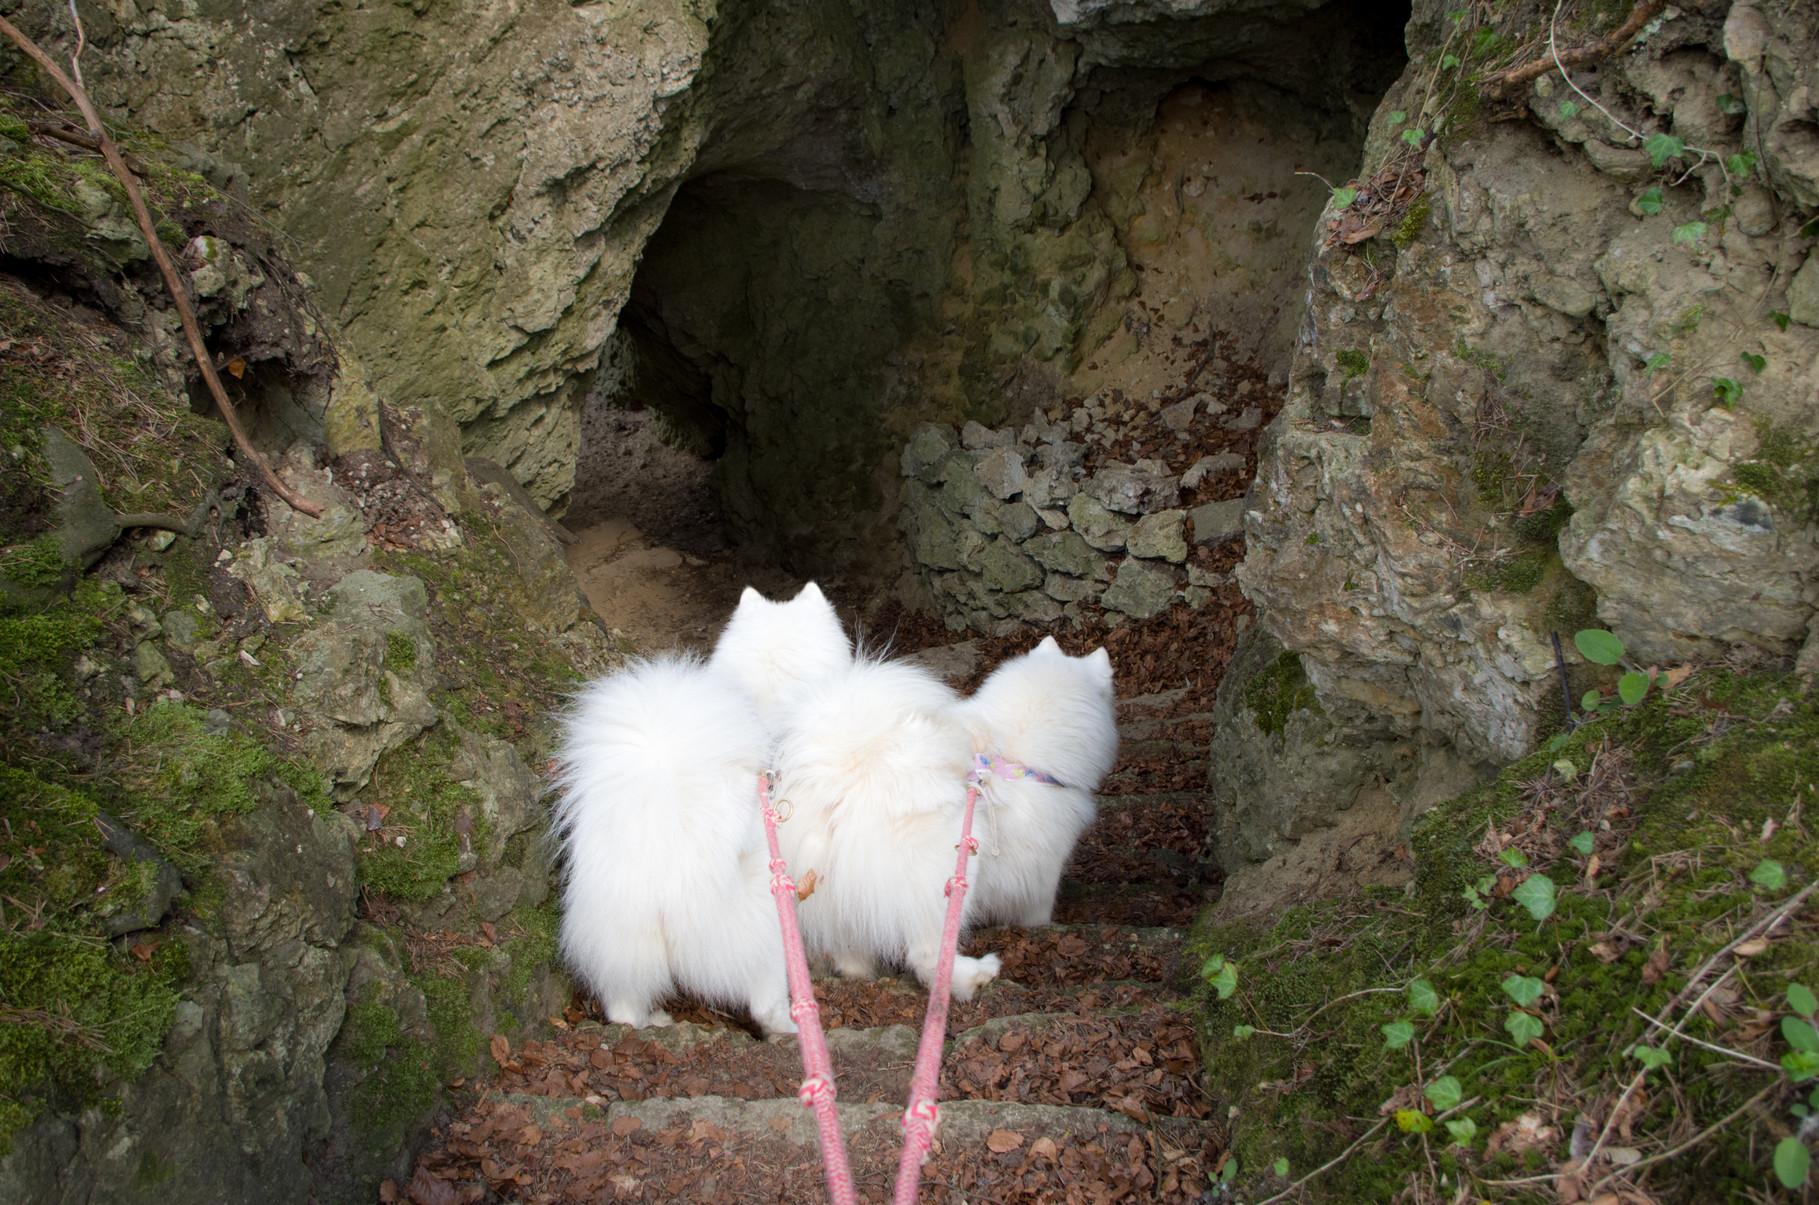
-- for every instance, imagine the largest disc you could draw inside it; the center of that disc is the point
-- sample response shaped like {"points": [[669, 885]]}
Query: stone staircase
{"points": [[1073, 1076]]}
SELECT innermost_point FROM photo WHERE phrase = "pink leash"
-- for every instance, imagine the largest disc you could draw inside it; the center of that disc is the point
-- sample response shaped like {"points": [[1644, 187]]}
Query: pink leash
{"points": [[922, 1114], [817, 1091]]}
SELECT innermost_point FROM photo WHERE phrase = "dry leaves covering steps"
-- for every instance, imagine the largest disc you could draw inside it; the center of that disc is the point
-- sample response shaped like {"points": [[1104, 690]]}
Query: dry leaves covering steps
{"points": [[1074, 1077]]}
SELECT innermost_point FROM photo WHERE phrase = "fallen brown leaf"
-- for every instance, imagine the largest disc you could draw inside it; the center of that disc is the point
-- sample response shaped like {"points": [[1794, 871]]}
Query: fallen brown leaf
{"points": [[1605, 951], [144, 950], [626, 1125], [807, 886], [501, 1049], [1656, 967], [1752, 947], [1044, 1147], [1001, 1141]]}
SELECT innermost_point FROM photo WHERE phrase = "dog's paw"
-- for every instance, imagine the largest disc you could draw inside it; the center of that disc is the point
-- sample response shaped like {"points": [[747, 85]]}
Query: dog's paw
{"points": [[636, 1016], [855, 966], [775, 1020], [971, 974]]}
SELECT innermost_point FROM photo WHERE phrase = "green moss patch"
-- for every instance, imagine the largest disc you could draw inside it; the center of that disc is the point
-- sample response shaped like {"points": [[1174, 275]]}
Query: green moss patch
{"points": [[425, 807], [1586, 885], [1279, 691]]}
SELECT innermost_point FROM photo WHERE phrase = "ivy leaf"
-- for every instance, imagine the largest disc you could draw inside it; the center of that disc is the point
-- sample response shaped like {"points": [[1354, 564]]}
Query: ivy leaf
{"points": [[1463, 1130], [1212, 966], [1568, 110], [1398, 1034], [1280, 1167], [1690, 234], [1423, 998], [1395, 117], [1769, 875], [1662, 147], [1565, 768], [1632, 687], [1536, 893], [1757, 363], [1727, 391], [1413, 1121], [1650, 202], [1792, 1162], [1650, 1057], [1800, 1065], [1598, 646], [1730, 105], [1658, 361], [1225, 982], [1513, 857], [1582, 844], [1445, 1092], [1741, 164], [1484, 41], [1343, 197], [1780, 319], [1413, 137], [1523, 1028], [1241, 1032], [1449, 62], [1801, 999], [1556, 742], [1800, 1035], [1523, 989]]}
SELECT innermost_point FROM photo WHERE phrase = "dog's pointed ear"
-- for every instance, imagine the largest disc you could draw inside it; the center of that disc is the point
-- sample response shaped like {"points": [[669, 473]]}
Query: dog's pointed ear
{"points": [[811, 592], [749, 597], [1099, 657], [1048, 645]]}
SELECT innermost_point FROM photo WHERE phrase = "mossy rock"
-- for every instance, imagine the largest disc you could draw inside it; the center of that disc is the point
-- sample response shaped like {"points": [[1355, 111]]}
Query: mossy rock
{"points": [[1675, 797]]}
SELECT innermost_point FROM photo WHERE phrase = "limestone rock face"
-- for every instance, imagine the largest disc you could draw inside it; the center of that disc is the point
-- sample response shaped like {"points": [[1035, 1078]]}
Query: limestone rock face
{"points": [[365, 673], [1529, 405]]}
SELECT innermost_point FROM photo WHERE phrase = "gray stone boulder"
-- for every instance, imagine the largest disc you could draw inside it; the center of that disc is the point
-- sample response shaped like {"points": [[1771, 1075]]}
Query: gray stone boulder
{"points": [[1097, 525], [1066, 552], [1135, 489], [1001, 473], [1142, 589], [1161, 535], [926, 448], [980, 437], [1207, 466], [1217, 522]]}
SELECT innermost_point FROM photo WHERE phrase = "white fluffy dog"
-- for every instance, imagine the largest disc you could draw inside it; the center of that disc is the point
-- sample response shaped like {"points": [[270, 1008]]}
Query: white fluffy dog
{"points": [[667, 880], [1055, 715], [771, 649], [873, 761]]}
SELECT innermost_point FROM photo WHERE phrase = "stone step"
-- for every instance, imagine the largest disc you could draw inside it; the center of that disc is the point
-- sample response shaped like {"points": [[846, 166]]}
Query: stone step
{"points": [[712, 1148], [1143, 1061]]}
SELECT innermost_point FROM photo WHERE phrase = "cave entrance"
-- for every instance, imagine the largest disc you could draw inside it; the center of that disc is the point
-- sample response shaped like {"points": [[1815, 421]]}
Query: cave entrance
{"points": [[863, 249]]}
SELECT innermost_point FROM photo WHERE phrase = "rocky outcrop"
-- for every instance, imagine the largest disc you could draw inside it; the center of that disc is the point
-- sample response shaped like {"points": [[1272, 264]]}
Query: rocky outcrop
{"points": [[1544, 355]]}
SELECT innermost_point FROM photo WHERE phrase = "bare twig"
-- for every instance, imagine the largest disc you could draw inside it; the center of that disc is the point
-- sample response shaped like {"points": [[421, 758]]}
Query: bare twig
{"points": [[1726, 1051], [1500, 84], [1333, 1162], [111, 153]]}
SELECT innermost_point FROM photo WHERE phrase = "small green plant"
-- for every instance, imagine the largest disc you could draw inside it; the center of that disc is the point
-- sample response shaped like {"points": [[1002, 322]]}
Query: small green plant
{"points": [[1662, 147], [1756, 363], [1221, 975], [1398, 1034], [1568, 110], [1689, 234], [1658, 361], [1728, 392], [1769, 875], [1731, 106], [1650, 201]]}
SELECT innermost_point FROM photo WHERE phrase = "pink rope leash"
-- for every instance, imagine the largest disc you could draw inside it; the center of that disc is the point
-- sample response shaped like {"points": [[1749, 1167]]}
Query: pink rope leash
{"points": [[817, 1091], [922, 1114]]}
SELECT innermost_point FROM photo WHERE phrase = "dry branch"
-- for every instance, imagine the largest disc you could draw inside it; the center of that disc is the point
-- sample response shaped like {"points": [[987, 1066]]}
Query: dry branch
{"points": [[198, 349], [1500, 84]]}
